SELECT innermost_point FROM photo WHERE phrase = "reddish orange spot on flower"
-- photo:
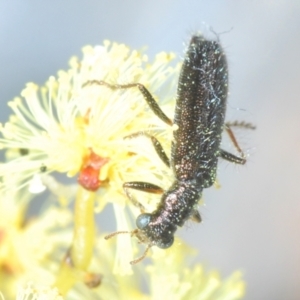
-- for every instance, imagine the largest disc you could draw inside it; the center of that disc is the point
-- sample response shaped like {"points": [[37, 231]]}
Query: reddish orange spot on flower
{"points": [[90, 171], [92, 280], [87, 117], [2, 235]]}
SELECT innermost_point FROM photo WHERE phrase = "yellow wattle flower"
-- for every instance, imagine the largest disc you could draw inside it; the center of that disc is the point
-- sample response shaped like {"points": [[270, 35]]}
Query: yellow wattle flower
{"points": [[56, 126], [76, 129]]}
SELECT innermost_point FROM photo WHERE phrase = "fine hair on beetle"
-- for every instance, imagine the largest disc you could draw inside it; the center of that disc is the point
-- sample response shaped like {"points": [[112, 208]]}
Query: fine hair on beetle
{"points": [[200, 120]]}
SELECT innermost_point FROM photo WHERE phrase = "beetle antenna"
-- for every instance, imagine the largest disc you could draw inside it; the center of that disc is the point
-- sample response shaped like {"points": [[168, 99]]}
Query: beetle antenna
{"points": [[116, 233], [133, 262]]}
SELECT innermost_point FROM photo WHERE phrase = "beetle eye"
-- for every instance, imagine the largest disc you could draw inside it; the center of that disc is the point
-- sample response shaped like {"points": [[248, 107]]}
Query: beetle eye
{"points": [[142, 221]]}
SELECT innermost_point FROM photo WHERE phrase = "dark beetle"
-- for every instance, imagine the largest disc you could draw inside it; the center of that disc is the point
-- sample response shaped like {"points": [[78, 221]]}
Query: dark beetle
{"points": [[199, 123]]}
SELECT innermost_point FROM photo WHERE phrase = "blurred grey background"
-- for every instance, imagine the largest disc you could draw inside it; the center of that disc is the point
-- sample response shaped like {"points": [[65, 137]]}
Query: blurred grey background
{"points": [[252, 223]]}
